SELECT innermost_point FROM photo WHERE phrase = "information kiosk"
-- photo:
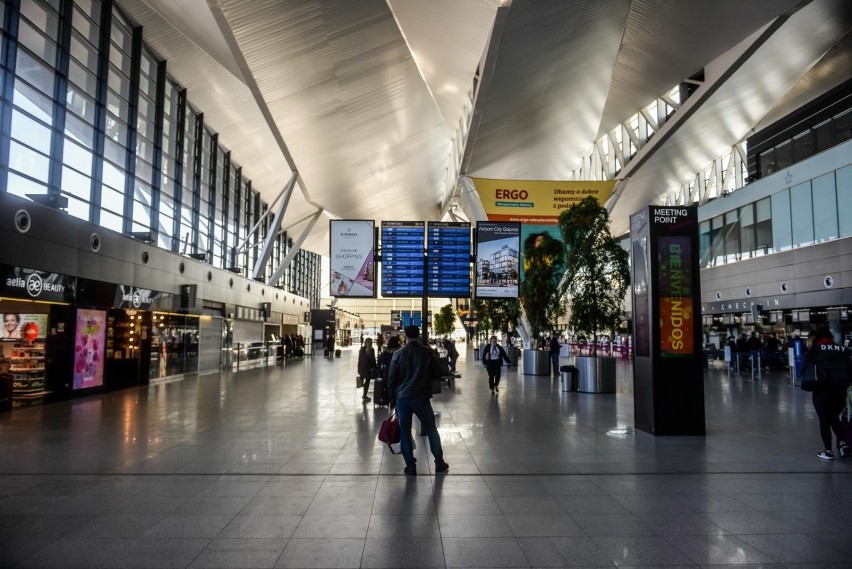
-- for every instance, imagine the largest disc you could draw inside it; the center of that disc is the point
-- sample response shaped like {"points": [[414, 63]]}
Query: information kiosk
{"points": [[668, 377]]}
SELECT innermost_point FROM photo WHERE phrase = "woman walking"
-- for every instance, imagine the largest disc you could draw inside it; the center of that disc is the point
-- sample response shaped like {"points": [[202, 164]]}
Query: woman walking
{"points": [[833, 369], [493, 356]]}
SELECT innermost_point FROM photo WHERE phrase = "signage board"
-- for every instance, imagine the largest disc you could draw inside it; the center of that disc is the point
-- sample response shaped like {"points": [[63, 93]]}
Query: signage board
{"points": [[403, 258], [30, 284], [448, 260], [536, 201], [497, 259], [352, 260]]}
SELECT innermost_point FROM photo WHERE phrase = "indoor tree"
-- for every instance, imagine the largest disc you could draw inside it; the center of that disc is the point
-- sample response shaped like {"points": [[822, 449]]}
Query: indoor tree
{"points": [[544, 265], [444, 320], [597, 269]]}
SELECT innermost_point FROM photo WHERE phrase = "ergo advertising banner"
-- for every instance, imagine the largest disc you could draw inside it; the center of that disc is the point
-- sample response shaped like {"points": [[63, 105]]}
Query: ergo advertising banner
{"points": [[352, 258], [536, 201]]}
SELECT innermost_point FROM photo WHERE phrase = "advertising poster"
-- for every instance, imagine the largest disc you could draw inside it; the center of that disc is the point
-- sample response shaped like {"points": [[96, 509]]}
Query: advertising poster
{"points": [[497, 259], [538, 202], [529, 238], [21, 326], [89, 348], [641, 308], [676, 300], [353, 268]]}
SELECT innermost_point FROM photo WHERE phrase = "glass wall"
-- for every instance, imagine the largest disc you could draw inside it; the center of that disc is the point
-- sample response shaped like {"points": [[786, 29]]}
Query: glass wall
{"points": [[823, 209], [120, 139]]}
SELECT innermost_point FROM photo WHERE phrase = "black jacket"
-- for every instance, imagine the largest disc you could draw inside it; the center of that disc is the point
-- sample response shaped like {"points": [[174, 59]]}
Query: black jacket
{"points": [[412, 369], [833, 363], [486, 355]]}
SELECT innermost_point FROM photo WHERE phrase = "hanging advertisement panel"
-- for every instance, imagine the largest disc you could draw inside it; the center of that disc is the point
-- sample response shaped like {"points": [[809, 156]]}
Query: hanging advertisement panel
{"points": [[497, 259], [351, 256], [89, 348], [536, 202]]}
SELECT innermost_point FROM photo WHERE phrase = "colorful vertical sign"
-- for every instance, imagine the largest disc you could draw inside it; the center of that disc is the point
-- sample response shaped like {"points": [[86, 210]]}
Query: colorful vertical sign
{"points": [[352, 260], [497, 259], [674, 255], [89, 348]]}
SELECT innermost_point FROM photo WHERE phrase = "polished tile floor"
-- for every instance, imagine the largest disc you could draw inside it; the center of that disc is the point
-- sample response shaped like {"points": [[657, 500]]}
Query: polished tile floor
{"points": [[280, 467]]}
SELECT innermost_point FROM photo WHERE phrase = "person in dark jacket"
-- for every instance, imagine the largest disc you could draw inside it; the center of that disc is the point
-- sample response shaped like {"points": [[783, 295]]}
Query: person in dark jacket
{"points": [[554, 353], [368, 368], [834, 370], [493, 356], [412, 369], [387, 354], [452, 353]]}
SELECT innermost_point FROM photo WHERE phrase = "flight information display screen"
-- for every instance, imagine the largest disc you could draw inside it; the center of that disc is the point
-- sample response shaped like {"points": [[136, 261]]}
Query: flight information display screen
{"points": [[402, 258], [448, 264]]}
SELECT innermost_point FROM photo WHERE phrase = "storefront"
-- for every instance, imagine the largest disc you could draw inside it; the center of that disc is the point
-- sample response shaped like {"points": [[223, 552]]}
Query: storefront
{"points": [[34, 306]]}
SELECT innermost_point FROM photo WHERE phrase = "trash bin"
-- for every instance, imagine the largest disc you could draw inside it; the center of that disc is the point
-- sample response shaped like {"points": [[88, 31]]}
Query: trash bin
{"points": [[512, 352], [476, 353], [569, 378]]}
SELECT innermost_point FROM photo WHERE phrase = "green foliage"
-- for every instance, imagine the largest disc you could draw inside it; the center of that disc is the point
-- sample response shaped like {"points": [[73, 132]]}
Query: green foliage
{"points": [[496, 315], [598, 272], [444, 320], [544, 265]]}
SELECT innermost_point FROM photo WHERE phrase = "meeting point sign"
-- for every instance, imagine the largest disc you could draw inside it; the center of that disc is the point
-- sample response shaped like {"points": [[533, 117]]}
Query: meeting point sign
{"points": [[31, 284]]}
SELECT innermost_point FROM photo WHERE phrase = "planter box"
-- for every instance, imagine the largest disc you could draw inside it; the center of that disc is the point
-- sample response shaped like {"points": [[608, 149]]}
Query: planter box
{"points": [[536, 362], [597, 374]]}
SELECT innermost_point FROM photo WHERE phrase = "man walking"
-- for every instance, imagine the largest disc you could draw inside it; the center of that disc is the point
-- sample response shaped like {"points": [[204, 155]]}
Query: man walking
{"points": [[412, 369]]}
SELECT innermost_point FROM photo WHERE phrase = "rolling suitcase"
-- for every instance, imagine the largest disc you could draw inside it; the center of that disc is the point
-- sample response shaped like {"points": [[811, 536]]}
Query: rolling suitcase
{"points": [[380, 393]]}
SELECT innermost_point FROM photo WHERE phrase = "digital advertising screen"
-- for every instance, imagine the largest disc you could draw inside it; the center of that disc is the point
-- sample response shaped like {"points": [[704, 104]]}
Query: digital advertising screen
{"points": [[89, 348], [448, 263], [21, 326], [352, 261], [676, 297], [403, 245], [497, 266]]}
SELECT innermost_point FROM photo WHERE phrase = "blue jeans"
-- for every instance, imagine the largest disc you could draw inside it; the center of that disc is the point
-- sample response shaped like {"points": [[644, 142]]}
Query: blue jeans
{"points": [[405, 408]]}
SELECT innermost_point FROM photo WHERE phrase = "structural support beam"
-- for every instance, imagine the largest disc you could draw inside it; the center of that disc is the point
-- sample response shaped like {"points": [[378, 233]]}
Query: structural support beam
{"points": [[272, 233], [297, 245]]}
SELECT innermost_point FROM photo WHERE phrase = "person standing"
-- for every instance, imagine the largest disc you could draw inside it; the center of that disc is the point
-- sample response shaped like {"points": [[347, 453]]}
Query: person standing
{"points": [[493, 356], [452, 353], [554, 353], [368, 368], [834, 368], [412, 369]]}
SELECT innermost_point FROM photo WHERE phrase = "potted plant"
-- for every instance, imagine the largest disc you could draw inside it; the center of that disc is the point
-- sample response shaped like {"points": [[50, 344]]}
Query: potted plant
{"points": [[496, 315], [544, 265], [596, 279]]}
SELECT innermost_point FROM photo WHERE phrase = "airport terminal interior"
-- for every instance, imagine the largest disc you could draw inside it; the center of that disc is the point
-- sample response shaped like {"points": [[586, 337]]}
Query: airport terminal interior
{"points": [[181, 329]]}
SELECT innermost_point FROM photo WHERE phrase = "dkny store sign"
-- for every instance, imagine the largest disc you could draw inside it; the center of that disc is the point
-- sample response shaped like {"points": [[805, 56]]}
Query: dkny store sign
{"points": [[19, 282]]}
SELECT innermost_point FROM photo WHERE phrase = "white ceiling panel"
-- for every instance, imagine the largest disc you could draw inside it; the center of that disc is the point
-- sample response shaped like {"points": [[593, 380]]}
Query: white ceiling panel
{"points": [[366, 94]]}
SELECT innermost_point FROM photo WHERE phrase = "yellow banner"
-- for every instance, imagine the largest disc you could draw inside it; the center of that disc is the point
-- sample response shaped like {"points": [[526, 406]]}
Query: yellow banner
{"points": [[535, 201]]}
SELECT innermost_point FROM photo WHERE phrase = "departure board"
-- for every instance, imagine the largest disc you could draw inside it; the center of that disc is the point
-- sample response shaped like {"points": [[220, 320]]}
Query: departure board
{"points": [[448, 265], [412, 318], [402, 258]]}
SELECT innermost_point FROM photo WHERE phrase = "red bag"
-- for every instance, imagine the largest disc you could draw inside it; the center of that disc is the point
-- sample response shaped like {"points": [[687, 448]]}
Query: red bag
{"points": [[389, 431]]}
